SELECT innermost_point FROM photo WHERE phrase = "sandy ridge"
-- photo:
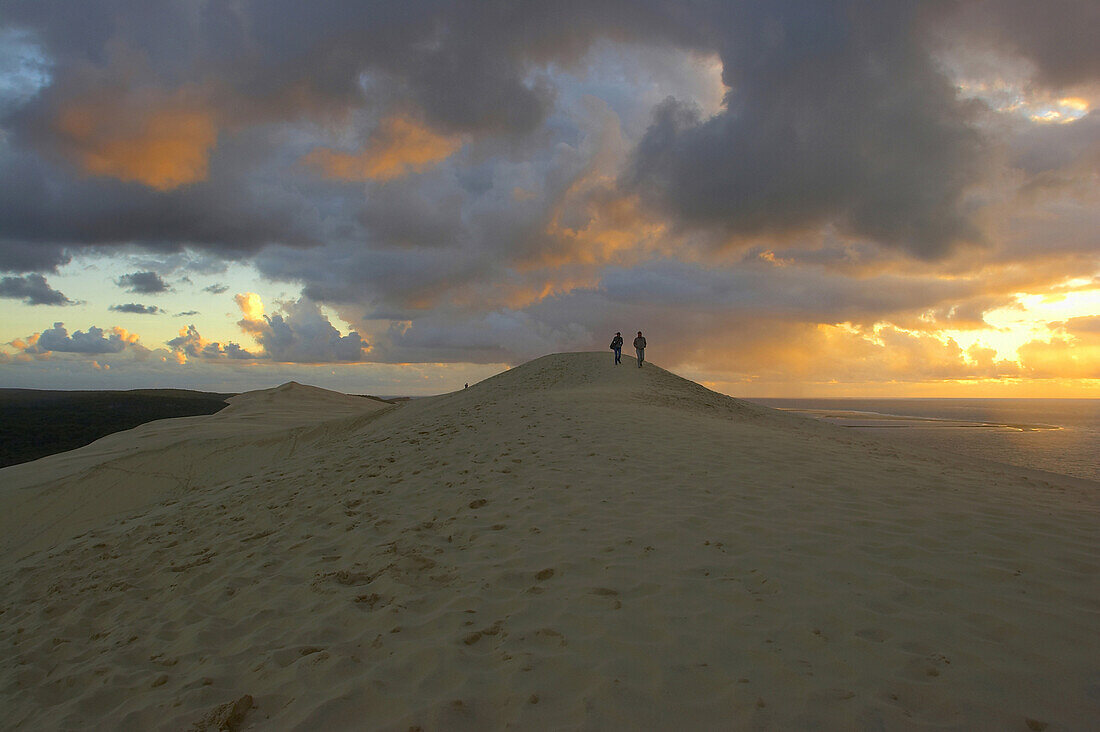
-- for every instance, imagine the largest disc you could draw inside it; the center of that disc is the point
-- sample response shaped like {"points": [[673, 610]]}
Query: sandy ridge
{"points": [[568, 545]]}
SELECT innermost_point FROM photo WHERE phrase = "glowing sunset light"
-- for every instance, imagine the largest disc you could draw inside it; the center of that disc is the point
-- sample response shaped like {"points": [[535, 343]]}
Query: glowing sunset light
{"points": [[252, 307], [1075, 103], [1013, 97], [1033, 318], [160, 142], [786, 198], [398, 147]]}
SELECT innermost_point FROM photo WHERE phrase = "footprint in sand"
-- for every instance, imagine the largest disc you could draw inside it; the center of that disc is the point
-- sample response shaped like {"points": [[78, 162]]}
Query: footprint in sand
{"points": [[287, 656], [549, 636], [496, 628], [875, 635]]}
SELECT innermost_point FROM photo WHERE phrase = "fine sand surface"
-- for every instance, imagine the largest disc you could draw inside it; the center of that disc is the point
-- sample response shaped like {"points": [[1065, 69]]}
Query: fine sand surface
{"points": [[567, 545]]}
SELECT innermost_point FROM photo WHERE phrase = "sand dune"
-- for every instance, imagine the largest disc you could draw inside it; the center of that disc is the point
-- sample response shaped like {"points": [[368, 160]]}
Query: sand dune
{"points": [[55, 497], [567, 545]]}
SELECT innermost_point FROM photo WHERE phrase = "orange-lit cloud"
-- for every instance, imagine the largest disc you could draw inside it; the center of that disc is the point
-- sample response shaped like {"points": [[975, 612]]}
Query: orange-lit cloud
{"points": [[590, 227], [252, 307], [398, 146], [1061, 358], [783, 359], [162, 140], [125, 336], [592, 222], [594, 225], [24, 344], [1072, 352], [190, 343]]}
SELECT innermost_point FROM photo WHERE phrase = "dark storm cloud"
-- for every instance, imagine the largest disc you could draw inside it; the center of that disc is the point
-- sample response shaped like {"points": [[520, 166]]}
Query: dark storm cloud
{"points": [[21, 256], [404, 216], [464, 63], [804, 292], [136, 309], [464, 67], [1049, 153], [48, 212], [836, 114], [1058, 36], [32, 289], [145, 283]]}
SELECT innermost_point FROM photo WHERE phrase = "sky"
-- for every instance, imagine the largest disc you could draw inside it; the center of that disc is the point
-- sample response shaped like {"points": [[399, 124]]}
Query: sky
{"points": [[789, 197]]}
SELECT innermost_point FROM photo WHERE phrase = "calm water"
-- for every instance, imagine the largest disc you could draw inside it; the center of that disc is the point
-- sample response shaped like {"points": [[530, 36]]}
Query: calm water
{"points": [[1059, 435]]}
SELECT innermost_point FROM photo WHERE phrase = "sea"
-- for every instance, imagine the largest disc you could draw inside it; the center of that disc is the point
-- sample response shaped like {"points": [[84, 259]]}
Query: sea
{"points": [[1056, 435]]}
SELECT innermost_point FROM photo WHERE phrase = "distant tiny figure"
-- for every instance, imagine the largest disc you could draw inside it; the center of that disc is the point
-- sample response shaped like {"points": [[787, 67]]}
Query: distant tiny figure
{"points": [[467, 385], [639, 346], [617, 347]]}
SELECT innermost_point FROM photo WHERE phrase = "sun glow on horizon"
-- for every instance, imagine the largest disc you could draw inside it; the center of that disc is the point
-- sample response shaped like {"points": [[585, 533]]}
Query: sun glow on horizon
{"points": [[1030, 319]]}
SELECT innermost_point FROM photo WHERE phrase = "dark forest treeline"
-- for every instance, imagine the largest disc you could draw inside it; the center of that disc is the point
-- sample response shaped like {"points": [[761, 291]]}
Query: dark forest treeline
{"points": [[36, 423]]}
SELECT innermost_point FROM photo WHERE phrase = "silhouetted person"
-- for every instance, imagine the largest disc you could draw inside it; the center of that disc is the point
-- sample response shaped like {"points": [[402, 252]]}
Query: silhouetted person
{"points": [[617, 346], [639, 346]]}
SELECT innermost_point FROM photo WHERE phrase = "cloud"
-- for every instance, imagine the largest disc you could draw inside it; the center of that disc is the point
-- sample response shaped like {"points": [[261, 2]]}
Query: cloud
{"points": [[301, 333], [835, 114], [23, 69], [252, 307], [459, 183], [1083, 325], [48, 214], [1061, 358], [399, 146], [32, 289], [93, 340], [186, 313], [189, 343], [161, 140], [833, 118], [1057, 36], [136, 308], [1072, 351], [145, 283]]}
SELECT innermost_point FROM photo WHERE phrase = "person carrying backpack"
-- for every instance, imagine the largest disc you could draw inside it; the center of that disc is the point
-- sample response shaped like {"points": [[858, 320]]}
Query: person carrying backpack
{"points": [[639, 346], [617, 347]]}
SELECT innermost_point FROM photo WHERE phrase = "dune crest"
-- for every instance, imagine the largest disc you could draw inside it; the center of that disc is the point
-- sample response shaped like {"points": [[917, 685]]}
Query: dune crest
{"points": [[298, 403], [568, 544]]}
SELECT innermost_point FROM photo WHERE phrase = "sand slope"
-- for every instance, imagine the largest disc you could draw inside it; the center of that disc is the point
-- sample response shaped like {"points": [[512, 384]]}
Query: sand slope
{"points": [[57, 496], [565, 545]]}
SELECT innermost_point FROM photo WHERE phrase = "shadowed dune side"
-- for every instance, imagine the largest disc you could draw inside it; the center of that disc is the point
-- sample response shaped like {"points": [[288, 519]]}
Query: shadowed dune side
{"points": [[567, 545]]}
